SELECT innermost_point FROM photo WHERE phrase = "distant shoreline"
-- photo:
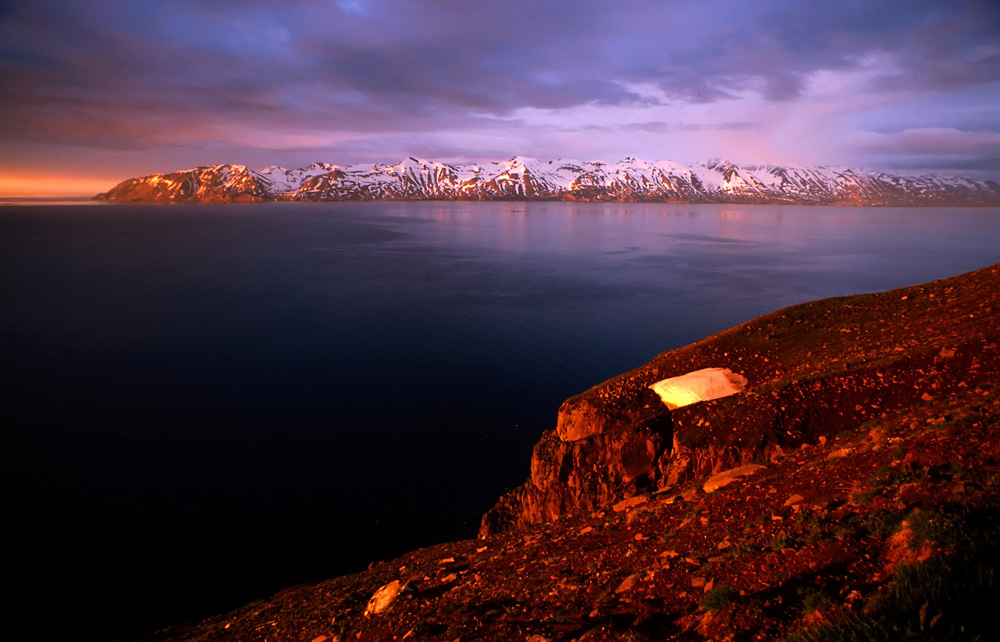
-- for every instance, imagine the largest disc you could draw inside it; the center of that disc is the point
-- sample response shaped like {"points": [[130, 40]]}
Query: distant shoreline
{"points": [[48, 200], [525, 179]]}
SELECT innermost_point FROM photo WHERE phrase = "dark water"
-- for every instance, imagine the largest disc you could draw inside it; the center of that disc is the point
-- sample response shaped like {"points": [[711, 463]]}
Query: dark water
{"points": [[203, 405]]}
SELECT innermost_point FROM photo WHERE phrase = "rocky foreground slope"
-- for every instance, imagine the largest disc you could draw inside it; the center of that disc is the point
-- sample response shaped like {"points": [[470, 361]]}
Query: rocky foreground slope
{"points": [[630, 180], [850, 492]]}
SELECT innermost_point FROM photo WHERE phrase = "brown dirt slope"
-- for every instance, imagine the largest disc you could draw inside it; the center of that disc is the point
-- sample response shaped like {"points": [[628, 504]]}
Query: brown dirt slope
{"points": [[812, 370], [874, 516]]}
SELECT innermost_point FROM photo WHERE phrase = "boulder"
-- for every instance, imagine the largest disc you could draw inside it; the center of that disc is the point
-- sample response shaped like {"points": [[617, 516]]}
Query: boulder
{"points": [[383, 598], [701, 385], [804, 373]]}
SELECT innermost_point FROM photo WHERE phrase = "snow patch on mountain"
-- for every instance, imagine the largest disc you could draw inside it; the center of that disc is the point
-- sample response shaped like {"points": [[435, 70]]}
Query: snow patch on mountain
{"points": [[526, 178]]}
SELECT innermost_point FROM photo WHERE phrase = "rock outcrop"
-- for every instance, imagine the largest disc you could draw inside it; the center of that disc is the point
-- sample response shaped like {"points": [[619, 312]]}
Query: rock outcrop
{"points": [[874, 513], [811, 371]]}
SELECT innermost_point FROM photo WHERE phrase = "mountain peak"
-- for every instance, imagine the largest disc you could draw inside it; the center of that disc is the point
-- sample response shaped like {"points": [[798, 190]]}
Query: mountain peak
{"points": [[524, 178]]}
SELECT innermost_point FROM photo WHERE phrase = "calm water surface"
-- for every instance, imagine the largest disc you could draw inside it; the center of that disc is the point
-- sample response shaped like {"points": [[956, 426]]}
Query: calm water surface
{"points": [[203, 405]]}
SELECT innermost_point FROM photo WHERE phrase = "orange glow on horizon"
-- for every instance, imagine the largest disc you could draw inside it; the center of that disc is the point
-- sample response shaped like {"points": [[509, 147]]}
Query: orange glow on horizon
{"points": [[42, 186]]}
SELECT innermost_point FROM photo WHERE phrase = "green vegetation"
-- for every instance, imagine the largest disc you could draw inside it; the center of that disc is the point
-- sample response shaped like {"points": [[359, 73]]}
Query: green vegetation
{"points": [[739, 550], [847, 527], [634, 635], [815, 530], [886, 477], [946, 598], [782, 541], [815, 600], [719, 597], [951, 529], [884, 523]]}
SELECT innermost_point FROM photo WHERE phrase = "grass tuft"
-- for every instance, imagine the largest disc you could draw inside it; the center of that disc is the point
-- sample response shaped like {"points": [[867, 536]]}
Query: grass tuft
{"points": [[941, 599], [719, 597]]}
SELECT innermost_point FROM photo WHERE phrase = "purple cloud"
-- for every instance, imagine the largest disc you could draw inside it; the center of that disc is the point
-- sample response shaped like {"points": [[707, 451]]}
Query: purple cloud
{"points": [[186, 75]]}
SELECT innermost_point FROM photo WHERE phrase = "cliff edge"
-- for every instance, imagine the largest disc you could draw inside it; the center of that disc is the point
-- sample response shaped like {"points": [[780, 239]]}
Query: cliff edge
{"points": [[811, 371], [850, 490]]}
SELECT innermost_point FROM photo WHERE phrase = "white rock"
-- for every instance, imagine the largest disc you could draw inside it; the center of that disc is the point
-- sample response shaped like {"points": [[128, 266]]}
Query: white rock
{"points": [[382, 598], [701, 385]]}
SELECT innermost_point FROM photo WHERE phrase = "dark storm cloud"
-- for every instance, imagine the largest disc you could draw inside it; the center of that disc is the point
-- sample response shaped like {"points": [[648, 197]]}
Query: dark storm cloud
{"points": [[117, 73], [377, 66]]}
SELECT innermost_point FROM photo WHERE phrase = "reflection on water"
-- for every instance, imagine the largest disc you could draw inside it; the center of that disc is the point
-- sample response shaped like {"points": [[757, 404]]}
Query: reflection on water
{"points": [[209, 403]]}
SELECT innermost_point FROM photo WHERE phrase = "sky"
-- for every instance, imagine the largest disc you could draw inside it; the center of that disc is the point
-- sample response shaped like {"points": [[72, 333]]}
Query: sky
{"points": [[96, 91]]}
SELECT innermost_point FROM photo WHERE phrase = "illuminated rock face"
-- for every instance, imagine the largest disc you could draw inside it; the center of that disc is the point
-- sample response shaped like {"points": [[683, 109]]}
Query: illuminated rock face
{"points": [[700, 385], [520, 178], [633, 435]]}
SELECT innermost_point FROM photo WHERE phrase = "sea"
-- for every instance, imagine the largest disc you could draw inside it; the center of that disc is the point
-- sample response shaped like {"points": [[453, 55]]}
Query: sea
{"points": [[202, 405]]}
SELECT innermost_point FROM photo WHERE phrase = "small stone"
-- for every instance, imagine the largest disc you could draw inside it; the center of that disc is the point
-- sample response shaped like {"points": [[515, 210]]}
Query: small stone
{"points": [[628, 583], [794, 499], [320, 638], [625, 504], [697, 581], [723, 545], [729, 476]]}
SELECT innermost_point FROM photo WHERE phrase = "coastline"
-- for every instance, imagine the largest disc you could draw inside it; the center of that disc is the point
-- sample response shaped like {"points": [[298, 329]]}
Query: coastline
{"points": [[902, 423]]}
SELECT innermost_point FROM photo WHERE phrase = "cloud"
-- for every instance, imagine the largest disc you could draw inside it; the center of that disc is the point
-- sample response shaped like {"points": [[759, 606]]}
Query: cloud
{"points": [[934, 149], [327, 74]]}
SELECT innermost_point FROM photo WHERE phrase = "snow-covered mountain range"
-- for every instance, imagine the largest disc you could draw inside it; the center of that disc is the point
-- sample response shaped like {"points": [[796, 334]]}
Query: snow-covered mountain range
{"points": [[630, 180]]}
